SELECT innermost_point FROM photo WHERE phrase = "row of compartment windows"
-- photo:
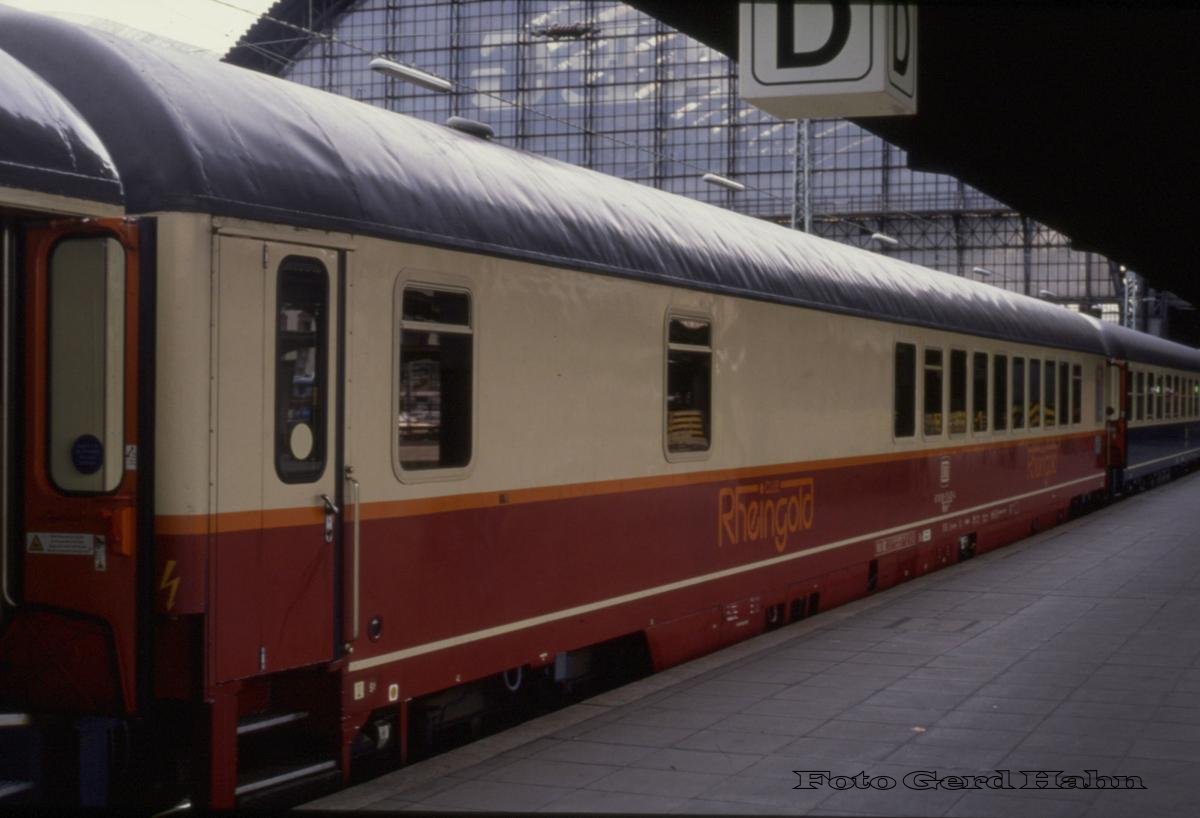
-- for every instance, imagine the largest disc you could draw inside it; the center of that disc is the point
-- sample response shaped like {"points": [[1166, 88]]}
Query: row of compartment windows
{"points": [[957, 392], [434, 384], [1039, 393], [1153, 395]]}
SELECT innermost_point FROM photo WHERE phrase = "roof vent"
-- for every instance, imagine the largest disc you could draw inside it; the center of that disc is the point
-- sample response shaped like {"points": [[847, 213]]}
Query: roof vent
{"points": [[471, 126]]}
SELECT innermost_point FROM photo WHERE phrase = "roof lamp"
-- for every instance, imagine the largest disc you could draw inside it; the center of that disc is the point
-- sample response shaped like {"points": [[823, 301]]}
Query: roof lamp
{"points": [[411, 75], [714, 179]]}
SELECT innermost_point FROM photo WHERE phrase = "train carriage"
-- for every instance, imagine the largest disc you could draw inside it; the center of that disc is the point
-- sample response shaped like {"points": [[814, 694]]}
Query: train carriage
{"points": [[315, 412]]}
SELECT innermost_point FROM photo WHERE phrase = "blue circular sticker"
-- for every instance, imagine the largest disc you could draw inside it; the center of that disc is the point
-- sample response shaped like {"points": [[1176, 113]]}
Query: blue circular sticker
{"points": [[87, 454]]}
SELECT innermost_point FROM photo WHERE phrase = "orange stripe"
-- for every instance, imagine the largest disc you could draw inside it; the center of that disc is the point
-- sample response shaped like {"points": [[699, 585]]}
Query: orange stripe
{"points": [[387, 509], [238, 520]]}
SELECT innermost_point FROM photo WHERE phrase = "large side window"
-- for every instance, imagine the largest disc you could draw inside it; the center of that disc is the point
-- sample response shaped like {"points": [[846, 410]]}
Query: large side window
{"points": [[1140, 391], [301, 356], [958, 392], [1018, 393], [1050, 413], [1000, 392], [933, 392], [979, 395], [435, 380], [1064, 393], [1035, 394], [1077, 393], [904, 400], [1158, 397], [1128, 396], [689, 384], [87, 364]]}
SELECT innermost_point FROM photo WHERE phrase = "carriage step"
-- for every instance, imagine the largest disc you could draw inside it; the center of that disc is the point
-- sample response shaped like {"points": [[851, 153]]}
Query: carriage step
{"points": [[11, 789], [279, 776], [266, 721]]}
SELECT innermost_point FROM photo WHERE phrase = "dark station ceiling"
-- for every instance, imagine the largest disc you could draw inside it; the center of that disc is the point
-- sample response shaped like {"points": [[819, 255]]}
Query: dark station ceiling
{"points": [[1078, 115]]}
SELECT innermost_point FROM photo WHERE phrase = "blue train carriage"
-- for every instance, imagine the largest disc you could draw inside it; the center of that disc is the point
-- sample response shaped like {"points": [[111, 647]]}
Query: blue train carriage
{"points": [[1154, 410]]}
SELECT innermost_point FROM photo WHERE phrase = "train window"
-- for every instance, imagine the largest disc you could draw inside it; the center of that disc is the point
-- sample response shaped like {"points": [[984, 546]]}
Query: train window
{"points": [[1018, 393], [934, 399], [1128, 396], [1175, 397], [301, 332], [1051, 396], [1077, 393], [1035, 394], [1000, 392], [87, 364], [1158, 397], [979, 397], [434, 388], [1140, 395], [904, 412], [689, 384], [1064, 393], [958, 392]]}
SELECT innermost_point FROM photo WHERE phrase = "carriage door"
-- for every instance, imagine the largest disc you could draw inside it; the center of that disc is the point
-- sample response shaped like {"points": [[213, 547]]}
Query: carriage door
{"points": [[278, 489], [76, 635]]}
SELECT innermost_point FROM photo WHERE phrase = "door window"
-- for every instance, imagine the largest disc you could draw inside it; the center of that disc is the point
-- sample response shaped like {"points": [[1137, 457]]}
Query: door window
{"points": [[301, 356], [87, 364]]}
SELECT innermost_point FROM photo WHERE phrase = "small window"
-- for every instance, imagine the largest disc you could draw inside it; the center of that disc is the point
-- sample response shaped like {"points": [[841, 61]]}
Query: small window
{"points": [[86, 366], [958, 392], [1018, 393], [301, 355], [1176, 393], [979, 397], [934, 402], [1064, 393], [434, 398], [1050, 409], [904, 401], [1077, 393], [1128, 395], [1140, 390], [1000, 391], [1035, 394], [689, 384]]}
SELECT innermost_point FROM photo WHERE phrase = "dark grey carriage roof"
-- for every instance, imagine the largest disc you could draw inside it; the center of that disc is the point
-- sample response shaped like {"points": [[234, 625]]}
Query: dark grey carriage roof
{"points": [[190, 134], [45, 145], [1129, 345]]}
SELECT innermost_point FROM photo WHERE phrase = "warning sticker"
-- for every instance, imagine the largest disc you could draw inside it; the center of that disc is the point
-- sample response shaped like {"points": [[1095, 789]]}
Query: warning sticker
{"points": [[47, 542]]}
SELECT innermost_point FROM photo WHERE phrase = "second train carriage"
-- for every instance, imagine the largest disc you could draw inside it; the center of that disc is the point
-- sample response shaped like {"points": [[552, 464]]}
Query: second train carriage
{"points": [[317, 411]]}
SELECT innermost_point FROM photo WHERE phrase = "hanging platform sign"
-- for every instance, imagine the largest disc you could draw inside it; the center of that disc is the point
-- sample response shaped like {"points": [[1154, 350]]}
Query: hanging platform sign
{"points": [[829, 59]]}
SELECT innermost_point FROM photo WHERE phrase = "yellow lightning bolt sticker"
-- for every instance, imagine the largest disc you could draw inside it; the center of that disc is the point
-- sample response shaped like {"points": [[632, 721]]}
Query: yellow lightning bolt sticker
{"points": [[169, 583]]}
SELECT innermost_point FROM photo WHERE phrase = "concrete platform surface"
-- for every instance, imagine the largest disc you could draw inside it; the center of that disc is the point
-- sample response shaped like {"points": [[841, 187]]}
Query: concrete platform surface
{"points": [[1075, 650]]}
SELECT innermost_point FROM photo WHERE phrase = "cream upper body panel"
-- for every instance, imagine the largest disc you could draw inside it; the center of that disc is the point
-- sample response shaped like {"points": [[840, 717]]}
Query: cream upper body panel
{"points": [[569, 373]]}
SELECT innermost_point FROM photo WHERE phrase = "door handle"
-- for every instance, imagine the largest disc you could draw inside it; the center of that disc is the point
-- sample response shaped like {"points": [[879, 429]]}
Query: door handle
{"points": [[331, 512]]}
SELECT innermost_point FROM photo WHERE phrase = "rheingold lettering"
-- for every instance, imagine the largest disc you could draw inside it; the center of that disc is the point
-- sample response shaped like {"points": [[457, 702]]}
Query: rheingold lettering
{"points": [[771, 510]]}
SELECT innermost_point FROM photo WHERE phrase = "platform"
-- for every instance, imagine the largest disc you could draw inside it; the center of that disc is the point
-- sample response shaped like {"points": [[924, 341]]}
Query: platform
{"points": [[1077, 649]]}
